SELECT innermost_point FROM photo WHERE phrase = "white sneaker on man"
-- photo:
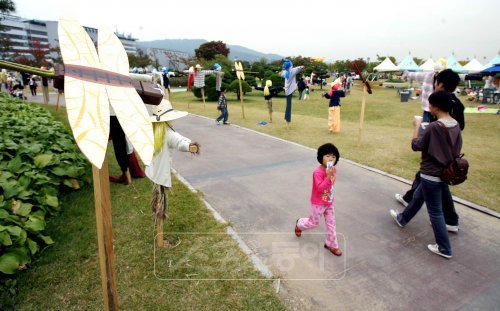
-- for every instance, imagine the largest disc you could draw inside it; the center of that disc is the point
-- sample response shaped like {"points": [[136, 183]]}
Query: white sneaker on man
{"points": [[400, 199], [451, 228], [435, 249]]}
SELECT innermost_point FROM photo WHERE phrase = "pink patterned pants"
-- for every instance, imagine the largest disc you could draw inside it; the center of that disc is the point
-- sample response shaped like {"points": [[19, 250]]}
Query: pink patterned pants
{"points": [[312, 221]]}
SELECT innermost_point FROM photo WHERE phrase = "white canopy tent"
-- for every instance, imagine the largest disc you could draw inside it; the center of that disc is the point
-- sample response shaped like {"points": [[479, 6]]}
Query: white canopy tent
{"points": [[453, 64], [428, 65], [474, 66], [386, 66], [495, 60]]}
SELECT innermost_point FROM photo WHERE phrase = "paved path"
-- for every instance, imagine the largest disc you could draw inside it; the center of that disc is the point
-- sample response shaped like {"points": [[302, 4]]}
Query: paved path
{"points": [[261, 185]]}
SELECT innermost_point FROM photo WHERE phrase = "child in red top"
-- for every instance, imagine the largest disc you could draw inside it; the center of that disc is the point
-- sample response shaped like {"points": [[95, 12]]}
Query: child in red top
{"points": [[322, 198]]}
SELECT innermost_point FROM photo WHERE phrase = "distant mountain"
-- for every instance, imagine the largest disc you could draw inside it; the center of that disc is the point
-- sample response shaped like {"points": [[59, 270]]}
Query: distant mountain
{"points": [[189, 45]]}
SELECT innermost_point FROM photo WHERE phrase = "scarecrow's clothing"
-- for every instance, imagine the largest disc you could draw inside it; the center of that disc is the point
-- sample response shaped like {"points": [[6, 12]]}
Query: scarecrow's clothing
{"points": [[199, 77], [335, 98], [291, 82], [159, 169], [427, 80], [334, 119], [218, 79]]}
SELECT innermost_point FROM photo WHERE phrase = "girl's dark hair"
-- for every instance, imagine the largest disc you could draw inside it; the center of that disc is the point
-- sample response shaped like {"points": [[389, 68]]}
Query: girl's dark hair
{"points": [[441, 100], [327, 149]]}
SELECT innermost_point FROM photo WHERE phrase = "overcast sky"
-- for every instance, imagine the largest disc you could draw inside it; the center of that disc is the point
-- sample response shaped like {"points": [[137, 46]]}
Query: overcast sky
{"points": [[322, 28]]}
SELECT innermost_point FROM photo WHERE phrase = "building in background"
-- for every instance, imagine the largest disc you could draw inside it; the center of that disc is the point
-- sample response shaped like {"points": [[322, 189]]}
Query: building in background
{"points": [[21, 33]]}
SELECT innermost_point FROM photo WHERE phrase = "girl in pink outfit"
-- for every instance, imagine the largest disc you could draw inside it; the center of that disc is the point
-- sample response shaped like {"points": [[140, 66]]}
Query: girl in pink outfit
{"points": [[322, 197]]}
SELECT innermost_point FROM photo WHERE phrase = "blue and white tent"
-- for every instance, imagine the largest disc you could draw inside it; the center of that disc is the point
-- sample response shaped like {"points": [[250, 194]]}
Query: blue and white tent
{"points": [[408, 64]]}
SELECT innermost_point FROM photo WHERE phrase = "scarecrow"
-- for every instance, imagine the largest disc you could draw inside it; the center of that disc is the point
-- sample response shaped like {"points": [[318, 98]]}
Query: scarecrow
{"points": [[289, 73], [199, 79], [165, 140], [334, 94], [218, 73]]}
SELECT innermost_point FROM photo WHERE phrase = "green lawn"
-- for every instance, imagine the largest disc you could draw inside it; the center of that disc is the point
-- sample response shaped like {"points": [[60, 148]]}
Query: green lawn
{"points": [[386, 135]]}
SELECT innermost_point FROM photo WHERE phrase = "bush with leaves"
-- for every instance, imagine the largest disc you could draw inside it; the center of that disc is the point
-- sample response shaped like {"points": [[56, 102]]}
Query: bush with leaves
{"points": [[38, 158]]}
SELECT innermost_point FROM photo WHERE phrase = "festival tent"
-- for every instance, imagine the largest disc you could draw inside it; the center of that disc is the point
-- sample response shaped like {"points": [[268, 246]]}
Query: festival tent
{"points": [[408, 64], [494, 61], [440, 64], [491, 70], [474, 66], [428, 65], [453, 64], [386, 66]]}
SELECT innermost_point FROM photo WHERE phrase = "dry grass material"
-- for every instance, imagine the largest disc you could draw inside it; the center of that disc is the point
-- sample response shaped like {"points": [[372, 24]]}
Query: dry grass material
{"points": [[386, 135]]}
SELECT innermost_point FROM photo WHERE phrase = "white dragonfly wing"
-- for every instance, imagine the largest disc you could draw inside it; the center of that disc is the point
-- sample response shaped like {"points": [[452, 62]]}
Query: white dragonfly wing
{"points": [[87, 104], [129, 108]]}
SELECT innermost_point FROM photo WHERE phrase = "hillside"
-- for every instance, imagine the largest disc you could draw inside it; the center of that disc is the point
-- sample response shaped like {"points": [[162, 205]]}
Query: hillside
{"points": [[189, 45]]}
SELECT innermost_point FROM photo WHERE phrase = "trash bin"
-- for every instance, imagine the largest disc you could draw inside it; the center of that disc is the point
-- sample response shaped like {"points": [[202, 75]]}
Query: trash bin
{"points": [[405, 95]]}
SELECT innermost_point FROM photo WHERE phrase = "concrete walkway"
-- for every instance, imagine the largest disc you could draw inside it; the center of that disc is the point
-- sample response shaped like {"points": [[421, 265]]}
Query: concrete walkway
{"points": [[261, 185]]}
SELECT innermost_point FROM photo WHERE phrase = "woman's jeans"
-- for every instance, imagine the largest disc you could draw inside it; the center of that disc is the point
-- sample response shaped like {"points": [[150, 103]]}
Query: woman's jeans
{"points": [[431, 193]]}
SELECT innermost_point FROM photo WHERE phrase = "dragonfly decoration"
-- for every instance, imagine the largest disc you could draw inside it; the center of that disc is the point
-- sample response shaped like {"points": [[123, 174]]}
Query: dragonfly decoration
{"points": [[93, 82]]}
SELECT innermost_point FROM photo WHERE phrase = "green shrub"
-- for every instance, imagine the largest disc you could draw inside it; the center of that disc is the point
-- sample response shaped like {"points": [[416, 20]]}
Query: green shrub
{"points": [[38, 158]]}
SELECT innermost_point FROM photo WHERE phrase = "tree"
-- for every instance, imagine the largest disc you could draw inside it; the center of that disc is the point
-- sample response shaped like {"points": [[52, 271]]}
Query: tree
{"points": [[6, 7], [208, 50], [176, 59], [418, 61], [5, 48], [36, 56], [359, 62], [140, 60]]}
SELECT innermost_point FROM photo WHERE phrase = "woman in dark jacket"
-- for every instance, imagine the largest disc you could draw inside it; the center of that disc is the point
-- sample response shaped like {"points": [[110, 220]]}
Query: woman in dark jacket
{"points": [[436, 155]]}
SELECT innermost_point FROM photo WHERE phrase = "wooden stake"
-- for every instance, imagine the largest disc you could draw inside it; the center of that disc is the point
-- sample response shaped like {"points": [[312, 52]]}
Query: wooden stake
{"points": [[57, 104], [203, 96], [241, 99], [105, 235], [362, 116], [45, 91], [160, 242]]}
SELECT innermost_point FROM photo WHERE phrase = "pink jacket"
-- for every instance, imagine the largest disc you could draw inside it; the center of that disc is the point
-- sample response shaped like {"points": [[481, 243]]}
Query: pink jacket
{"points": [[321, 187]]}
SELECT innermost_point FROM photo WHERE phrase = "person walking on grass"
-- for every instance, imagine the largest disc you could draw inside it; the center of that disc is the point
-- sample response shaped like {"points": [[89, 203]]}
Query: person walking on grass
{"points": [[322, 200], [222, 106], [437, 153]]}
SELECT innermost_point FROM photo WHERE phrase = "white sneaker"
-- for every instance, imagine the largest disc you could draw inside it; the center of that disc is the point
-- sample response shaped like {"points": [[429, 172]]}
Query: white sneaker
{"points": [[400, 199], [394, 215], [451, 228], [217, 122], [435, 249]]}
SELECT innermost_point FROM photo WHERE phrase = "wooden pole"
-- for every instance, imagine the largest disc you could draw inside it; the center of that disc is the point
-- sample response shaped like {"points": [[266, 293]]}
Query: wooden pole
{"points": [[203, 96], [362, 115], [241, 99], [57, 104], [160, 242], [105, 235], [45, 91]]}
